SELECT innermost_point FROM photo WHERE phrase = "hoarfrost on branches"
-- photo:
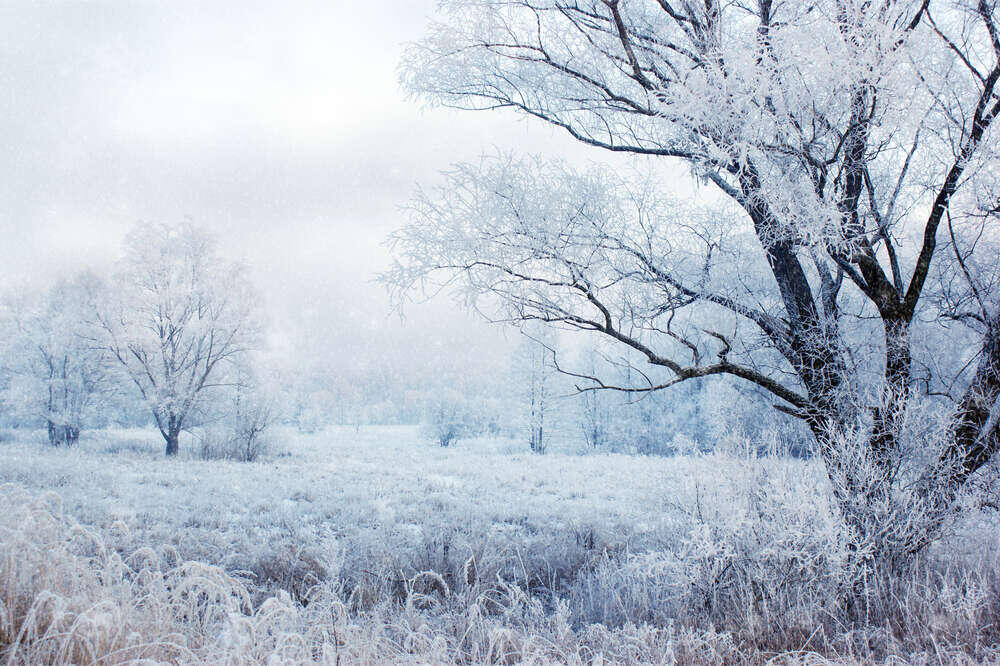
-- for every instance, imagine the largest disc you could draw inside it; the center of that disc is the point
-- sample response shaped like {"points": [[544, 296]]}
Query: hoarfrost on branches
{"points": [[177, 316], [855, 147]]}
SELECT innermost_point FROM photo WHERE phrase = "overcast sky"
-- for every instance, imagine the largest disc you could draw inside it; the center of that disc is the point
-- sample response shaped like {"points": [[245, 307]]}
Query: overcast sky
{"points": [[279, 126]]}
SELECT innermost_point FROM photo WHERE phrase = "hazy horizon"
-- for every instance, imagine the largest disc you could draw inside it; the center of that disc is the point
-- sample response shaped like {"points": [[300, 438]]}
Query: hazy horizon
{"points": [[281, 130]]}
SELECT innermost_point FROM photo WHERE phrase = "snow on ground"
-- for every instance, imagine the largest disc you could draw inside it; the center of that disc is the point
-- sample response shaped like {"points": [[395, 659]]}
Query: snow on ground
{"points": [[436, 554], [380, 494]]}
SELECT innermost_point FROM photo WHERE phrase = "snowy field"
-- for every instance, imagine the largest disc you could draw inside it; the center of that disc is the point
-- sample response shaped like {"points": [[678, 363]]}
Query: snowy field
{"points": [[699, 317], [384, 494], [373, 545]]}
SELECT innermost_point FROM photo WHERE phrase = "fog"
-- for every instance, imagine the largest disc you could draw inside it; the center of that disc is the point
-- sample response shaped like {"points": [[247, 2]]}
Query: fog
{"points": [[280, 128], [754, 415]]}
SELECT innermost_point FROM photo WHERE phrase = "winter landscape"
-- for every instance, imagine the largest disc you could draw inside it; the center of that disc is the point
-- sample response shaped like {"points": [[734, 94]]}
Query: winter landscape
{"points": [[500, 332]]}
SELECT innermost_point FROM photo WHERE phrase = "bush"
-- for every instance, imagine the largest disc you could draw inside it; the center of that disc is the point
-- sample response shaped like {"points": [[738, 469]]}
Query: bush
{"points": [[246, 436], [290, 569], [236, 445], [448, 418]]}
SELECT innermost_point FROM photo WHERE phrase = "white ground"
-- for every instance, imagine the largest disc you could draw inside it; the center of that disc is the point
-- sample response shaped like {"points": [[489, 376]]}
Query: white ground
{"points": [[616, 545], [381, 492]]}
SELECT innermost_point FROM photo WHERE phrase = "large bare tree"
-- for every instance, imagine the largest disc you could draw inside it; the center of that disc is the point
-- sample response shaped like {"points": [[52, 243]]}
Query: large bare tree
{"points": [[178, 314], [846, 262]]}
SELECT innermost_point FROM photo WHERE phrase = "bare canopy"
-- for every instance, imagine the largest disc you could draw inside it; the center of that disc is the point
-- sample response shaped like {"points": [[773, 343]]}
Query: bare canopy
{"points": [[176, 317], [853, 146]]}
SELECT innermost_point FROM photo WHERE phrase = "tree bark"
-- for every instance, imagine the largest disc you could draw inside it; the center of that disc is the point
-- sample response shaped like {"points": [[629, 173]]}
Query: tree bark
{"points": [[977, 424], [172, 436]]}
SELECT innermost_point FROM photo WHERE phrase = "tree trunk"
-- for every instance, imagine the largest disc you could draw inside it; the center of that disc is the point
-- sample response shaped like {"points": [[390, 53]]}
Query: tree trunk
{"points": [[173, 445], [977, 423], [173, 435], [536, 441], [54, 433]]}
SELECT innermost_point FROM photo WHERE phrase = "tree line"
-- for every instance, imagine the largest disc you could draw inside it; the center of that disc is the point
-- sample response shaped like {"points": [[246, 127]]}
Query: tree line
{"points": [[174, 329]]}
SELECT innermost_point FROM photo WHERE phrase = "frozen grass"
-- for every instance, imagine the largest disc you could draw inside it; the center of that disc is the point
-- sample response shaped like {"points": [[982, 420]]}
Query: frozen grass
{"points": [[372, 545]]}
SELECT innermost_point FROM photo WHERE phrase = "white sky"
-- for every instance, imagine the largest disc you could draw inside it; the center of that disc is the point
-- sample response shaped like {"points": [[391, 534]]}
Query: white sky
{"points": [[278, 125]]}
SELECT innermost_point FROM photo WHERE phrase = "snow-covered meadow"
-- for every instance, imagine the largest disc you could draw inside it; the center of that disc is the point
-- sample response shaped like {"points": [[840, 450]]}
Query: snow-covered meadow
{"points": [[388, 495], [694, 328], [373, 544]]}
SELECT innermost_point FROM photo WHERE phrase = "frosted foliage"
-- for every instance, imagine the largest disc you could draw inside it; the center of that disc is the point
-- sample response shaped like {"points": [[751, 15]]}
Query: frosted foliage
{"points": [[178, 316], [850, 229], [541, 236], [58, 375], [724, 84], [449, 416]]}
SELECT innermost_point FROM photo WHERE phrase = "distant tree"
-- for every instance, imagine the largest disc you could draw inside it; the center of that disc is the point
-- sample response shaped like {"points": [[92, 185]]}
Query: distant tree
{"points": [[449, 416], [176, 316], [595, 419], [851, 148], [644, 423], [57, 373], [534, 384], [238, 423]]}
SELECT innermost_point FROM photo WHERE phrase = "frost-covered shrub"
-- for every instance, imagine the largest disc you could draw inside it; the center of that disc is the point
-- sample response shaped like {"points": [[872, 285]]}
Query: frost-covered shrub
{"points": [[309, 420], [684, 445], [246, 439], [774, 570], [130, 447], [239, 445], [244, 430], [773, 543], [291, 569], [449, 416]]}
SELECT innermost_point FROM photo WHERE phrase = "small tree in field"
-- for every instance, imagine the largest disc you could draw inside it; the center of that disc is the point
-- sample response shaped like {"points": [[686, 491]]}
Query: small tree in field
{"points": [[595, 419], [253, 414], [177, 316], [534, 384], [449, 416], [845, 261], [238, 423]]}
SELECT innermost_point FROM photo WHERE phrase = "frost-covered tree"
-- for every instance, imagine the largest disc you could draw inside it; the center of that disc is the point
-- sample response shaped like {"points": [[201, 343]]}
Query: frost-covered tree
{"points": [[58, 375], [851, 152], [596, 411], [449, 415], [238, 423], [534, 384], [176, 316]]}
